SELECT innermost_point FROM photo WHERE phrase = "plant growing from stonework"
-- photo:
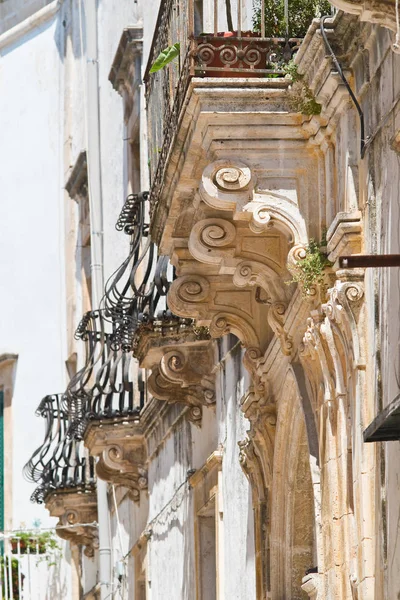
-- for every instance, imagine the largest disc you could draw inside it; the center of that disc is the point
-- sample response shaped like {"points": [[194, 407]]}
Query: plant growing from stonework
{"points": [[310, 270], [301, 13], [304, 101]]}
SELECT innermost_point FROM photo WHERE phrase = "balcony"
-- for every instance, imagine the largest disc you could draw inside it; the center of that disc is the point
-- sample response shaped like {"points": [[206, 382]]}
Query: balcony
{"points": [[65, 475], [106, 398], [224, 40]]}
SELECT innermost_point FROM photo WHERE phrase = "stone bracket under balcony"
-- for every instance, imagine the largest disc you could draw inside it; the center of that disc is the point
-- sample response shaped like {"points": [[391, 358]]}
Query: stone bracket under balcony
{"points": [[182, 373], [121, 451], [77, 513]]}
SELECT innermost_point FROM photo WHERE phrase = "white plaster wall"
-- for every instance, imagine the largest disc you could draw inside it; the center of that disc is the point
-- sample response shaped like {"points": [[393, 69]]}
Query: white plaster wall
{"points": [[381, 177], [31, 238], [169, 515], [238, 521]]}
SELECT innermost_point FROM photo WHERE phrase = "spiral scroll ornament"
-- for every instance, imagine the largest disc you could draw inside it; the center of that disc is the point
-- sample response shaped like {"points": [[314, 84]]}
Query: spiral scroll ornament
{"points": [[193, 290], [232, 178], [218, 233]]}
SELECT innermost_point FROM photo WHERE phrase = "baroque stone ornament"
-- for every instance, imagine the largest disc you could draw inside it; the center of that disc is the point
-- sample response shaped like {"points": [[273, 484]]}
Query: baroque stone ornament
{"points": [[231, 276], [77, 513], [183, 375], [121, 451]]}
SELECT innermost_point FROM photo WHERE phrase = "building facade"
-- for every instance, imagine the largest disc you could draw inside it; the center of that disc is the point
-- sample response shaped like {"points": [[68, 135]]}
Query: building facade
{"points": [[228, 421]]}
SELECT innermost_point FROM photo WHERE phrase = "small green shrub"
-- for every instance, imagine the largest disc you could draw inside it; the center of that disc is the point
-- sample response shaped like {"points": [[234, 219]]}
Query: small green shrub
{"points": [[310, 270], [305, 101]]}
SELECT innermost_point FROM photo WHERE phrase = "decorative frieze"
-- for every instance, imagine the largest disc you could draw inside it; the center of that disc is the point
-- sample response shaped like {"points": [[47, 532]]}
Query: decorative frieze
{"points": [[121, 451], [77, 513]]}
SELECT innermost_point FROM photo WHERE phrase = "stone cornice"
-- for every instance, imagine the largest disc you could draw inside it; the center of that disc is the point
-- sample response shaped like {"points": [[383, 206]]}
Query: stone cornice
{"points": [[121, 451], [77, 513], [130, 46], [380, 12], [77, 181]]}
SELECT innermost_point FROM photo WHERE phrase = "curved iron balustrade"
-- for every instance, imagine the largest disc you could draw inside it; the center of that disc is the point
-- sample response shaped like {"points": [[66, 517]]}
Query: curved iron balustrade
{"points": [[61, 462], [109, 385], [133, 292], [104, 387]]}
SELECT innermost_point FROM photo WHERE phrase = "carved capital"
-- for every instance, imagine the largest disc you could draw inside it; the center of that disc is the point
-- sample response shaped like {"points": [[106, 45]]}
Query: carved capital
{"points": [[121, 450], [76, 512]]}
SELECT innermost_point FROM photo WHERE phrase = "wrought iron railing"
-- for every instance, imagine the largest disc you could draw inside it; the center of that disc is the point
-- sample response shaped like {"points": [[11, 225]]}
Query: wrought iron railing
{"points": [[109, 385], [133, 293], [61, 462], [216, 39]]}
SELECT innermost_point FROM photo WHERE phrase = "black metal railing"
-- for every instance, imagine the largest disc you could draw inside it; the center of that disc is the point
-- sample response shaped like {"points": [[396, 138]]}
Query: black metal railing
{"points": [[61, 462], [109, 385], [138, 288]]}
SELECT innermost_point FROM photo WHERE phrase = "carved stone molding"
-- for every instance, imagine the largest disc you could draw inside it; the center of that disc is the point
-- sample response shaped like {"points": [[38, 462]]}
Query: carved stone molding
{"points": [[77, 181], [332, 341], [382, 12], [344, 236], [125, 69], [182, 373], [232, 273], [76, 512], [311, 585], [121, 451]]}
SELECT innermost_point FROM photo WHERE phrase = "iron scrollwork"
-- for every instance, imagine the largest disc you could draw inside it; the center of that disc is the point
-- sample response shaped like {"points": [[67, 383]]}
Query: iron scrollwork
{"points": [[61, 462]]}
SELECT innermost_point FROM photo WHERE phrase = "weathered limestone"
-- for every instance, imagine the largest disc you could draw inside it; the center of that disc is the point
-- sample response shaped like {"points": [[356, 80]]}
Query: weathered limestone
{"points": [[382, 13], [248, 184], [121, 451], [77, 513], [181, 361]]}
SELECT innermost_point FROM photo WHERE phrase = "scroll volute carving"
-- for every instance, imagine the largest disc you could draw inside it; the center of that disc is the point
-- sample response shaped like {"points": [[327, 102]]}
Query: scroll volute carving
{"points": [[183, 373], [121, 451], [77, 513], [234, 281]]}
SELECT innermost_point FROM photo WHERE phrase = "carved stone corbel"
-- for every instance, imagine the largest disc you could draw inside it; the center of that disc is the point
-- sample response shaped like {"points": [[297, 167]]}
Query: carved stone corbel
{"points": [[77, 513], [232, 273], [121, 451]]}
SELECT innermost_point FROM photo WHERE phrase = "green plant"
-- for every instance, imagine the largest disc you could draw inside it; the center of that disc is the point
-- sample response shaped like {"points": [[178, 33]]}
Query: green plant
{"points": [[165, 57], [300, 13], [310, 269], [34, 542], [4, 562], [303, 102]]}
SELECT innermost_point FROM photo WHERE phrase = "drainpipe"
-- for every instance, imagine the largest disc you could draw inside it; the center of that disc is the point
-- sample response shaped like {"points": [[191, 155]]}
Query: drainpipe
{"points": [[96, 245]]}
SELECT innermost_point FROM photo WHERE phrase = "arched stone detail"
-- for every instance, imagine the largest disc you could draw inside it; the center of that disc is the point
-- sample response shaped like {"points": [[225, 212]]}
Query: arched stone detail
{"points": [[121, 451], [333, 359], [294, 522]]}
